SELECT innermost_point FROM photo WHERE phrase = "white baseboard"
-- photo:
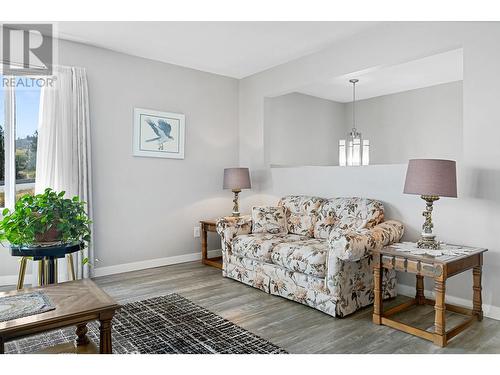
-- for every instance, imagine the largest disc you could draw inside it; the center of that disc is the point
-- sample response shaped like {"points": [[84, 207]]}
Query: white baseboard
{"points": [[489, 311], [152, 263], [126, 267], [12, 279]]}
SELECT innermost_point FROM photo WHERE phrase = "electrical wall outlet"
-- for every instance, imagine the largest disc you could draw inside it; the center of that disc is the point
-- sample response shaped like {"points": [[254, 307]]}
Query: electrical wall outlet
{"points": [[196, 232]]}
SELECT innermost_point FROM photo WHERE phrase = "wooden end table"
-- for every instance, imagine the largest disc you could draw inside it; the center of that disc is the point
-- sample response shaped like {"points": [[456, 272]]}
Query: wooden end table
{"points": [[208, 226], [77, 303], [440, 268]]}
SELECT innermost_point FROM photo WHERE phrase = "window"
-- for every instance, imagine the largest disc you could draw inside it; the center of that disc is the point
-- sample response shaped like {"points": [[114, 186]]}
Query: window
{"points": [[19, 107]]}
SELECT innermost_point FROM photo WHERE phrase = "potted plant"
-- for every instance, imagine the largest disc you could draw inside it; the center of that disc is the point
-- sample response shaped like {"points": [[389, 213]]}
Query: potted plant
{"points": [[46, 219]]}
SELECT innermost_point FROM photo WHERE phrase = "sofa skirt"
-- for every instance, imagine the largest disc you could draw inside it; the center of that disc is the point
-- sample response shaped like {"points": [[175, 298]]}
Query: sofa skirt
{"points": [[305, 289]]}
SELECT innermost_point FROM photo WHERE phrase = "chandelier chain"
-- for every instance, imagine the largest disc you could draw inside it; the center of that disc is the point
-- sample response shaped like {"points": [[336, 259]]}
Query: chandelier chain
{"points": [[354, 106], [354, 81]]}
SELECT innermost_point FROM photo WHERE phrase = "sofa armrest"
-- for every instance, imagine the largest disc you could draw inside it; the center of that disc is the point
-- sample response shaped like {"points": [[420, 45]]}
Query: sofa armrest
{"points": [[354, 245], [230, 226]]}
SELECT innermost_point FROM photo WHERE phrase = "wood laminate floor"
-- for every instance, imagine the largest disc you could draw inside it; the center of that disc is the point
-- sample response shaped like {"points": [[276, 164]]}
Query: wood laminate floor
{"points": [[294, 327]]}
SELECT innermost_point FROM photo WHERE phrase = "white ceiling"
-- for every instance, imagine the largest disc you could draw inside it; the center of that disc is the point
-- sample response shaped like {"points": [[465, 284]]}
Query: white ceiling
{"points": [[234, 49], [429, 71]]}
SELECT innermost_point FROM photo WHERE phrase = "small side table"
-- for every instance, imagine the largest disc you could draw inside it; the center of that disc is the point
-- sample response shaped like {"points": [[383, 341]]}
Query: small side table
{"points": [[440, 268], [47, 260], [208, 226]]}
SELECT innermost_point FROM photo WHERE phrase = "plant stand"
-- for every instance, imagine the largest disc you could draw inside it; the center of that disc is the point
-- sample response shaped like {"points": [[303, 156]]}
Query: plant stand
{"points": [[47, 261]]}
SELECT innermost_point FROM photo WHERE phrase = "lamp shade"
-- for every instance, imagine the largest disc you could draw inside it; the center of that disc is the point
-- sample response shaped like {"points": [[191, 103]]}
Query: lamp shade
{"points": [[236, 178], [431, 177]]}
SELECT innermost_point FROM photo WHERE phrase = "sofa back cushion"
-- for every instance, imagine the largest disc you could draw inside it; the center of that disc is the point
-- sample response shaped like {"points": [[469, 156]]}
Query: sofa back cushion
{"points": [[347, 214], [301, 212], [269, 220]]}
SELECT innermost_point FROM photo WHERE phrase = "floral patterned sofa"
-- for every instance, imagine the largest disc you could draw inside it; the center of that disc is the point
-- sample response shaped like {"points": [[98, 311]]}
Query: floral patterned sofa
{"points": [[322, 256]]}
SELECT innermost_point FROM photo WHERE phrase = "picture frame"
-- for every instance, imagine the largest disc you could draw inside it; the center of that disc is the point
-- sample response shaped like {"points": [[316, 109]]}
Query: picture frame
{"points": [[158, 134]]}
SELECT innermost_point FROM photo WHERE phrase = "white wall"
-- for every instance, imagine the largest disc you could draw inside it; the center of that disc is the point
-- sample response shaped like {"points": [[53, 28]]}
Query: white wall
{"points": [[473, 218], [422, 123], [145, 208], [301, 129]]}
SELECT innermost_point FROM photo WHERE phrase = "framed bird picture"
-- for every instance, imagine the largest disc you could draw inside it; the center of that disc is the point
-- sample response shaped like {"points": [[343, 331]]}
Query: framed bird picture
{"points": [[158, 134]]}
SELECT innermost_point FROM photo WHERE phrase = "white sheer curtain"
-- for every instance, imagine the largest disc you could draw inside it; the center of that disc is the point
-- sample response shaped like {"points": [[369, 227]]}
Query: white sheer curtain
{"points": [[63, 151]]}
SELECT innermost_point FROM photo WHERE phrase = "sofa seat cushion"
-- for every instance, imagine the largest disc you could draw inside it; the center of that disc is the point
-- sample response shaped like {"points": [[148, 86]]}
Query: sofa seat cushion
{"points": [[260, 245], [308, 256]]}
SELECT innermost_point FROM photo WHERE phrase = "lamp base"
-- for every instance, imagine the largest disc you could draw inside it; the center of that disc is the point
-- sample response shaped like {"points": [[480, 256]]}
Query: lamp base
{"points": [[236, 209], [428, 240]]}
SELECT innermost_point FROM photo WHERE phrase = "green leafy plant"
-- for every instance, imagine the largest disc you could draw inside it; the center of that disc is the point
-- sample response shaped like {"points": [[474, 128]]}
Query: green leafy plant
{"points": [[47, 217]]}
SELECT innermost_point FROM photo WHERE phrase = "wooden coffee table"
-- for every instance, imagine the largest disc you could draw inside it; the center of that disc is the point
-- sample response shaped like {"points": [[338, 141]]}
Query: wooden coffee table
{"points": [[77, 303]]}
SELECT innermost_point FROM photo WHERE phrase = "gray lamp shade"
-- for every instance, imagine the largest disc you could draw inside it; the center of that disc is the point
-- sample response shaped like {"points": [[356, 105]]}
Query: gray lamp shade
{"points": [[236, 178], [431, 177]]}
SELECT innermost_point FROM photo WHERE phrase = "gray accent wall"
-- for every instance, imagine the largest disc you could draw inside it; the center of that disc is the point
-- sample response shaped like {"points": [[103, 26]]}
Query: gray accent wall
{"points": [[421, 123], [145, 208], [301, 129], [304, 130]]}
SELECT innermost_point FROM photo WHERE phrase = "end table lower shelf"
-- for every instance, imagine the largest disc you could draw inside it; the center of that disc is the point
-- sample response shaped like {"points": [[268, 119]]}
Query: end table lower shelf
{"points": [[214, 262]]}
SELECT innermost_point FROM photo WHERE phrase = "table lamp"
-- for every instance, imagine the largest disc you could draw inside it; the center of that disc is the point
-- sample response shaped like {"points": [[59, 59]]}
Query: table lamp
{"points": [[431, 179], [236, 179]]}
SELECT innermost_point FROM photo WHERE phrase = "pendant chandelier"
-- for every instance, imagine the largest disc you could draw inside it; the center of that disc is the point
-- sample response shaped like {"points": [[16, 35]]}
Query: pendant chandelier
{"points": [[354, 151]]}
